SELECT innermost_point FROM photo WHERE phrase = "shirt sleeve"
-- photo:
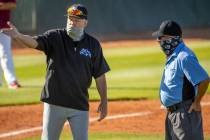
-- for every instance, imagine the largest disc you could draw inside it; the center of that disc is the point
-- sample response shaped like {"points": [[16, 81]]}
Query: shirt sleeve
{"points": [[44, 42], [100, 65], [14, 1], [194, 72]]}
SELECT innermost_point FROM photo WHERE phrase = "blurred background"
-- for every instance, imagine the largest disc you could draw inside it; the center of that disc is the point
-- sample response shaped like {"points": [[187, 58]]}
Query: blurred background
{"points": [[119, 18]]}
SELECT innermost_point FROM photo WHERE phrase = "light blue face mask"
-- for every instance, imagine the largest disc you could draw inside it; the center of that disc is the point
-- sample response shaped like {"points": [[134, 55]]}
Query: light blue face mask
{"points": [[75, 33]]}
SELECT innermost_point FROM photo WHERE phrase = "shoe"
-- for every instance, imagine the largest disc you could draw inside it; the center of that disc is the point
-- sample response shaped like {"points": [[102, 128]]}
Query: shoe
{"points": [[14, 85]]}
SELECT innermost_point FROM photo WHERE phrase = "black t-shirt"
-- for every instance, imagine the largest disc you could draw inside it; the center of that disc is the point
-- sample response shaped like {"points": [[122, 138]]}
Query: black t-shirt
{"points": [[70, 68]]}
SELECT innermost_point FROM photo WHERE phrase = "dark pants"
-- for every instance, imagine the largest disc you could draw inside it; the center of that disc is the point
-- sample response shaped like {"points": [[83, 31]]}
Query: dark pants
{"points": [[181, 125]]}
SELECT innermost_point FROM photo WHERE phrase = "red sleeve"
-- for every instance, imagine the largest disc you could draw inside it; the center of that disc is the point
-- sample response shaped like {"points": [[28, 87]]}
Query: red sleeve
{"points": [[11, 1]]}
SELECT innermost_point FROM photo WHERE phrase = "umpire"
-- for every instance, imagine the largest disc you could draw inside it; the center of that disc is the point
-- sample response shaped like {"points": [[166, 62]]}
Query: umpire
{"points": [[73, 58], [184, 83]]}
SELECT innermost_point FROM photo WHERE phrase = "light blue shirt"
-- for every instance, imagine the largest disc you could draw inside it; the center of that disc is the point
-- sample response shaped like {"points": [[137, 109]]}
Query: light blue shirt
{"points": [[182, 63]]}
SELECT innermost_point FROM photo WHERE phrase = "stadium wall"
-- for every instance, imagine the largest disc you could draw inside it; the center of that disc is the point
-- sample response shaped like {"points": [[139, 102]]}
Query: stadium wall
{"points": [[112, 16]]}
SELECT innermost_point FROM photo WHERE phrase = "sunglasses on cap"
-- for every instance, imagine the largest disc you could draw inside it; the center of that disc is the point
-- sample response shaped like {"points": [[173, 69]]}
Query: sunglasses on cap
{"points": [[76, 12]]}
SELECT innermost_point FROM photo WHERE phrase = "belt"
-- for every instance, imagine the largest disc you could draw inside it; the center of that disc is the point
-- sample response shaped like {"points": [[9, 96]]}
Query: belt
{"points": [[177, 106]]}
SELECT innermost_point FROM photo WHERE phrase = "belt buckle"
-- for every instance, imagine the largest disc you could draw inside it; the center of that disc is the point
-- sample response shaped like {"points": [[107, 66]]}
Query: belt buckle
{"points": [[172, 108]]}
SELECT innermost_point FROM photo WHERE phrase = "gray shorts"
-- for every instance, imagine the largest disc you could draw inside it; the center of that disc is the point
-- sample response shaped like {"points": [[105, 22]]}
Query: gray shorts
{"points": [[181, 125], [54, 118]]}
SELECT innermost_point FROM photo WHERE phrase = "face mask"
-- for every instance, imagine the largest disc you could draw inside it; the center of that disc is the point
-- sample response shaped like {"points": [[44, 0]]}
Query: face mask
{"points": [[75, 33], [169, 45]]}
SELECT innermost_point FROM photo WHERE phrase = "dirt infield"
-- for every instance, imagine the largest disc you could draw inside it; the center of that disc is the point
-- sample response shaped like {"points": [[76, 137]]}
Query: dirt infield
{"points": [[24, 117]]}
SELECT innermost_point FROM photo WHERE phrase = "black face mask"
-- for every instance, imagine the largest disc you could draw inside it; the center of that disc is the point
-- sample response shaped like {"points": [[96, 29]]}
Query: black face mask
{"points": [[169, 45]]}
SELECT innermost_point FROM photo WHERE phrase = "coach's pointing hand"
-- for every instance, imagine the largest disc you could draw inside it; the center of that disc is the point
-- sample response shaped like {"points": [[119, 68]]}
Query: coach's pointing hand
{"points": [[27, 40], [12, 31]]}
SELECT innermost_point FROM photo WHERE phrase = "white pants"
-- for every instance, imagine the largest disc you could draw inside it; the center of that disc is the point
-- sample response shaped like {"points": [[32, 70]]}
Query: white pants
{"points": [[6, 61], [54, 118]]}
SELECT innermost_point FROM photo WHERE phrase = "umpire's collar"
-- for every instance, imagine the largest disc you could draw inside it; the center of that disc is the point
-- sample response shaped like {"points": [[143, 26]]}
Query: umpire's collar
{"points": [[176, 51]]}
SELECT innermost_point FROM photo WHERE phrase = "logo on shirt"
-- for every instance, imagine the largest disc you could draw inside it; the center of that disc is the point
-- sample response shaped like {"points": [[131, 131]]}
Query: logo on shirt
{"points": [[85, 52]]}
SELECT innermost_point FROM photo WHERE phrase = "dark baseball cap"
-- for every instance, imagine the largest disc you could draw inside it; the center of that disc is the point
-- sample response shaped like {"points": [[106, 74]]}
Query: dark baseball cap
{"points": [[168, 27], [78, 10]]}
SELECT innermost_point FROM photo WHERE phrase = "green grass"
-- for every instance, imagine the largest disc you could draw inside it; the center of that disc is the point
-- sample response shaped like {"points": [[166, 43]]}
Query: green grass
{"points": [[113, 136], [30, 70], [110, 136], [135, 73]]}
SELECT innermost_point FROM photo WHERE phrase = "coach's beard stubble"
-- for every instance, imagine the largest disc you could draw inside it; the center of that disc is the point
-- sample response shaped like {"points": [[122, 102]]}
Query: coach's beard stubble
{"points": [[75, 33]]}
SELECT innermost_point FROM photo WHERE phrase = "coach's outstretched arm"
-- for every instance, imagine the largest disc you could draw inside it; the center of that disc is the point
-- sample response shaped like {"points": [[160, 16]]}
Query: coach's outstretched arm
{"points": [[14, 33]]}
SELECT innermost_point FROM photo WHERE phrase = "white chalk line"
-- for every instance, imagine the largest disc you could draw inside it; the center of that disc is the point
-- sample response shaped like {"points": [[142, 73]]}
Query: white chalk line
{"points": [[122, 116], [205, 103], [24, 131]]}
